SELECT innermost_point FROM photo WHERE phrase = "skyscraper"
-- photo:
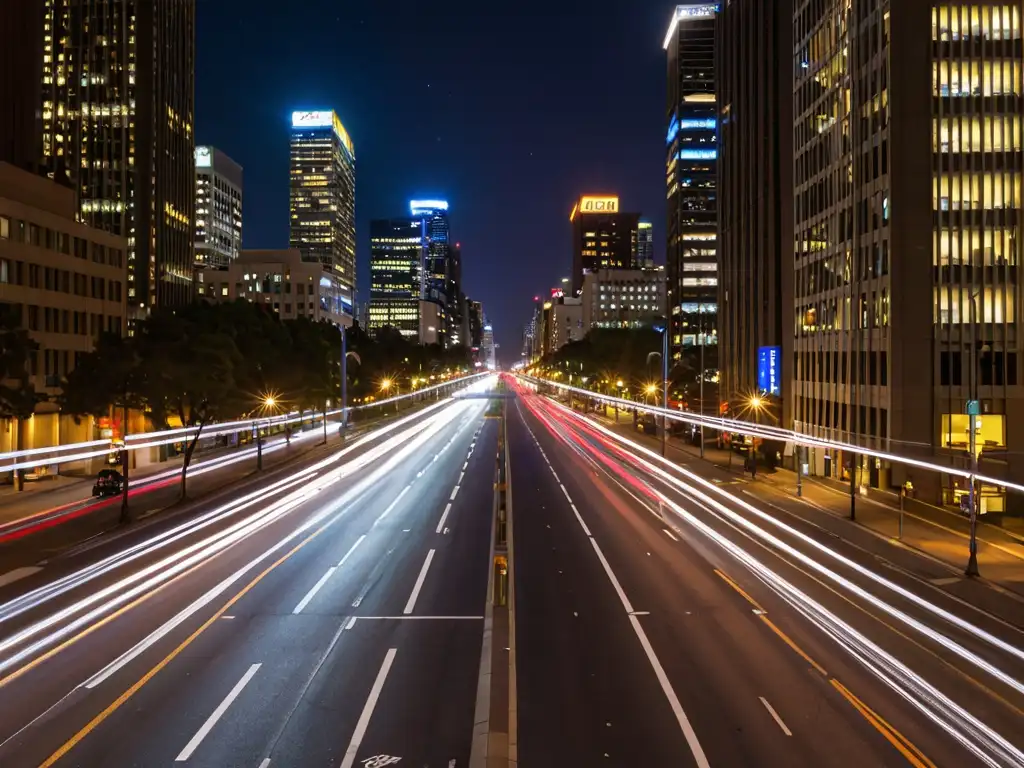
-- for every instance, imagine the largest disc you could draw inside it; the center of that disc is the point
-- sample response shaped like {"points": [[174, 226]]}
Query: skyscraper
{"points": [[442, 264], [218, 208], [755, 217], [603, 237], [396, 252], [21, 61], [691, 161], [644, 245], [117, 121], [323, 183], [907, 222]]}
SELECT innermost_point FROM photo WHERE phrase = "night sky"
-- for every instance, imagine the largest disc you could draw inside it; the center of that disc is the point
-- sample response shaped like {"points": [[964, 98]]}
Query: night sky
{"points": [[507, 110]]}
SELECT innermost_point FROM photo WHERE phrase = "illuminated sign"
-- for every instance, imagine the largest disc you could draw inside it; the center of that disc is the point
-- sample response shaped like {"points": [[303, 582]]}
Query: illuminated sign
{"points": [[704, 124], [203, 157], [324, 119], [688, 13], [673, 130], [557, 293], [698, 154], [312, 119], [769, 372], [427, 206], [592, 204]]}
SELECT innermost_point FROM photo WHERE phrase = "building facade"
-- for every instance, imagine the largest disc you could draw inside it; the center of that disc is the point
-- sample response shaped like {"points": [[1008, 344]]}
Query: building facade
{"points": [[21, 79], [66, 283], [218, 208], [622, 298], [117, 125], [283, 281], [645, 244], [603, 237], [442, 266], [908, 196], [755, 216], [323, 187], [691, 120]]}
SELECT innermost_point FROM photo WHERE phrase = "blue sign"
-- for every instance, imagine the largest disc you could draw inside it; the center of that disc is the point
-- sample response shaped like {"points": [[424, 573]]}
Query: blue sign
{"points": [[769, 371], [698, 154]]}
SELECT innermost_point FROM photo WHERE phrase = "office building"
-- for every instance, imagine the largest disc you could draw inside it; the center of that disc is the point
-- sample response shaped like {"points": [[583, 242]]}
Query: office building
{"points": [[475, 313], [218, 208], [117, 124], [644, 244], [442, 266], [65, 281], [603, 237], [323, 187], [398, 296], [488, 347], [622, 298], [21, 77], [690, 168], [907, 224], [282, 281], [755, 217]]}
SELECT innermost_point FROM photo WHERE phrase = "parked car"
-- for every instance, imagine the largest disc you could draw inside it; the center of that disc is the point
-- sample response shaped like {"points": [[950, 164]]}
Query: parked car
{"points": [[109, 482]]}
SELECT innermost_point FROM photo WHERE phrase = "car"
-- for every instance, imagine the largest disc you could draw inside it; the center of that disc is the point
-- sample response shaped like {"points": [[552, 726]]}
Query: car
{"points": [[109, 482]]}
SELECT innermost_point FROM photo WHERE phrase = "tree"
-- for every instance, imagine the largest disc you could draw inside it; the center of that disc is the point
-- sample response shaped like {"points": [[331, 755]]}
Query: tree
{"points": [[18, 397]]}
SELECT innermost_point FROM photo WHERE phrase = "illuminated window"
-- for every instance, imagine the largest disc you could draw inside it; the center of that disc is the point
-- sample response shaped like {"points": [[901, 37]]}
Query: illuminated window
{"points": [[954, 305], [974, 191], [976, 134], [974, 78]]}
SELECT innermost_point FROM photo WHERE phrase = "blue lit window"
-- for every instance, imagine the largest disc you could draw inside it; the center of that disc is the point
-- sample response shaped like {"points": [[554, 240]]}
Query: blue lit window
{"points": [[673, 131], [703, 124], [698, 154]]}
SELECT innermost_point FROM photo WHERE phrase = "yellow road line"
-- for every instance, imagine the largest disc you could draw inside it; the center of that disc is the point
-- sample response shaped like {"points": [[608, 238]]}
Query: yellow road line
{"points": [[739, 589], [96, 721], [796, 648], [913, 755]]}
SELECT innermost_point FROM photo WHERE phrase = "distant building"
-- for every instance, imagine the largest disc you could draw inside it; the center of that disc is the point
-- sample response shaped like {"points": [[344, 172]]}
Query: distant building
{"points": [[66, 283], [218, 208], [442, 265], [691, 122], [622, 298], [283, 281], [323, 207], [475, 312], [488, 348], [645, 244], [602, 237], [400, 294], [564, 324], [117, 124], [21, 78]]}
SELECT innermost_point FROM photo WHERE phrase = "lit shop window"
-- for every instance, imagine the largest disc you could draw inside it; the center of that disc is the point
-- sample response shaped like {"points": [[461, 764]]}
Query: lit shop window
{"points": [[976, 191], [976, 134], [989, 431]]}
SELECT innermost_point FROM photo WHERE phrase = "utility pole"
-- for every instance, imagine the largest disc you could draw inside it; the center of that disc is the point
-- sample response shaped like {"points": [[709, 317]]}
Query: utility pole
{"points": [[125, 516], [259, 446], [853, 486], [700, 332], [664, 388], [344, 381], [973, 410], [799, 471]]}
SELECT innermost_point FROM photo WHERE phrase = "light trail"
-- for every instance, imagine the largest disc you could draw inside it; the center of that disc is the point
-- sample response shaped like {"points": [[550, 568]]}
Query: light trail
{"points": [[380, 460], [968, 730]]}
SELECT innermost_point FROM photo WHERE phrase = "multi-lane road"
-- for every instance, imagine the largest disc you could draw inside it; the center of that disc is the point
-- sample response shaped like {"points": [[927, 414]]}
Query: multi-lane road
{"points": [[334, 615]]}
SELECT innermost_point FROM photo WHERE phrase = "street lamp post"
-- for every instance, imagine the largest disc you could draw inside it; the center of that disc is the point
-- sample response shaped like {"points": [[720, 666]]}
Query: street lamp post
{"points": [[973, 408], [259, 446]]}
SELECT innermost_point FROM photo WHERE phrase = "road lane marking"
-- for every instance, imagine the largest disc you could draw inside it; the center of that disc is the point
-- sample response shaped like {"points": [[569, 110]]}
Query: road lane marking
{"points": [[913, 755], [579, 519], [611, 577], [367, 713], [444, 516], [392, 505], [670, 534], [464, 466], [353, 620], [265, 763], [461, 475], [775, 716], [351, 550], [312, 593], [455, 492], [211, 721], [565, 492], [739, 589], [89, 727], [419, 583]]}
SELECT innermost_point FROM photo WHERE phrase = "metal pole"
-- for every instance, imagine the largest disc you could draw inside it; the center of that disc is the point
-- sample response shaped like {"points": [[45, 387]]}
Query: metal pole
{"points": [[799, 471], [853, 486], [903, 496], [259, 447], [702, 387], [664, 388], [125, 516], [344, 380], [972, 409], [325, 423]]}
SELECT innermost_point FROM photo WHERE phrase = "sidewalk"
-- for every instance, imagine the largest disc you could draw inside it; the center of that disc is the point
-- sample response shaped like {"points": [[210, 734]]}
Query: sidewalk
{"points": [[936, 532]]}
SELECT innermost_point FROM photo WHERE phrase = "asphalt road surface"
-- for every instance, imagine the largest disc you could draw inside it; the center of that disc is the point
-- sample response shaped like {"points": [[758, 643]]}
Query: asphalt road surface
{"points": [[329, 616], [669, 620]]}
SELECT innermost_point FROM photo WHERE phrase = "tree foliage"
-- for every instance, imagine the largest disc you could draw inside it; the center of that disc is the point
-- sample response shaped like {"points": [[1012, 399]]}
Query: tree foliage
{"points": [[18, 397]]}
